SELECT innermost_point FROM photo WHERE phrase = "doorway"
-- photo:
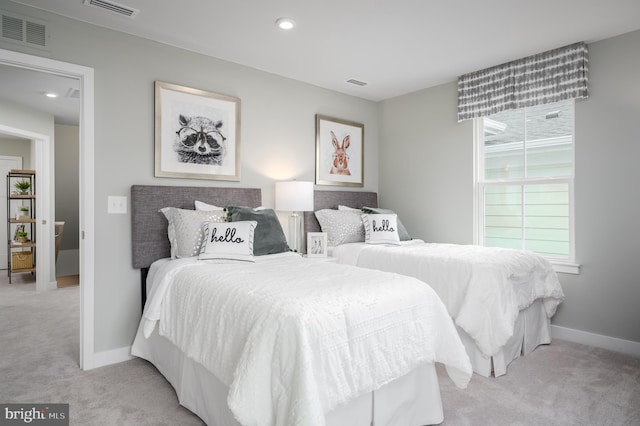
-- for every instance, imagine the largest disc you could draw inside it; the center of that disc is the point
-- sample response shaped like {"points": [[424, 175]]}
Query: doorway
{"points": [[40, 145], [86, 180]]}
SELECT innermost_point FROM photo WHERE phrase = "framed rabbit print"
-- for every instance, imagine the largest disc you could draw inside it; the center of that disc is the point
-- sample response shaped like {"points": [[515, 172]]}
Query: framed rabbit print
{"points": [[339, 152]]}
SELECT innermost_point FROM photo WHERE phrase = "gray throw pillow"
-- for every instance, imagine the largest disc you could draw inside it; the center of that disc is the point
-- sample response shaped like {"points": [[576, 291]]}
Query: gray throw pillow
{"points": [[402, 231], [269, 237], [341, 226], [185, 229]]}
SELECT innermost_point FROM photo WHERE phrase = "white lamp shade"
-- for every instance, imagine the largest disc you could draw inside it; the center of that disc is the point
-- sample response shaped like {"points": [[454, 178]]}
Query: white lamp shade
{"points": [[294, 196]]}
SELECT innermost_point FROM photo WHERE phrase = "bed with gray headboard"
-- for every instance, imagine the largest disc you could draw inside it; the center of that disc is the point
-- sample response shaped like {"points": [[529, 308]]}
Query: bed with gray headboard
{"points": [[149, 226], [332, 199], [425, 261], [411, 394]]}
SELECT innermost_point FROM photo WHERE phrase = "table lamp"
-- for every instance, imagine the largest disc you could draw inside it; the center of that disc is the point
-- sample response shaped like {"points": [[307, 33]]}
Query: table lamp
{"points": [[295, 197]]}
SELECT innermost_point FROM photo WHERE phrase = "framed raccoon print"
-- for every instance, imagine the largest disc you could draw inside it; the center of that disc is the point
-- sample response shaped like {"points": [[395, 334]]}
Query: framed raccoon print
{"points": [[197, 133]]}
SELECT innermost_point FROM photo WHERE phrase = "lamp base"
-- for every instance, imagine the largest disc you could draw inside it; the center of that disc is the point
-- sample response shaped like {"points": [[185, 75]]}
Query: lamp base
{"points": [[295, 232]]}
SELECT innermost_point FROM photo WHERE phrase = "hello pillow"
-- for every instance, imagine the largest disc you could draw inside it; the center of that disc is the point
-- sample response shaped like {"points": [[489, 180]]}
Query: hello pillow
{"points": [[381, 229], [228, 240]]}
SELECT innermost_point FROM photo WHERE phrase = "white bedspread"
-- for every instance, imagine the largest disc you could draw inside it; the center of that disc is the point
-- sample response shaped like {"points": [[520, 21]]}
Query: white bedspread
{"points": [[483, 288], [292, 339]]}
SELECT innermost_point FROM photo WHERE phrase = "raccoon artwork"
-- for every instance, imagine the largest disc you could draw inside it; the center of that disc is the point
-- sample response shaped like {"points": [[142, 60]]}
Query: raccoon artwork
{"points": [[200, 141]]}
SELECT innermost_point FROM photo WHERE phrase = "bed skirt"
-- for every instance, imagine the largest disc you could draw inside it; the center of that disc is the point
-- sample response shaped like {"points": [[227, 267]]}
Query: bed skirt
{"points": [[532, 328], [413, 399]]}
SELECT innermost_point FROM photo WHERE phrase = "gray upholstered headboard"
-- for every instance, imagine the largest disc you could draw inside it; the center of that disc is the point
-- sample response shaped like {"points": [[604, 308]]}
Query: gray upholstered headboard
{"points": [[331, 200], [149, 226]]}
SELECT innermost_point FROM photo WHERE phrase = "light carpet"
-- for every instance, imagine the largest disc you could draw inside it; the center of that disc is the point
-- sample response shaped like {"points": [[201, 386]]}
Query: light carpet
{"points": [[67, 280], [560, 384]]}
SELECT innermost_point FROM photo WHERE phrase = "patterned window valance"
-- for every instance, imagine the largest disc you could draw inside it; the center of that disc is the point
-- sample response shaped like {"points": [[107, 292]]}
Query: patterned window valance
{"points": [[551, 76]]}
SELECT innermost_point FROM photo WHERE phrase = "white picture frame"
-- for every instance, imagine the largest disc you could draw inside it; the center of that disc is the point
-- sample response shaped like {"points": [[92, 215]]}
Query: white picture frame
{"points": [[197, 133], [339, 152], [316, 244]]}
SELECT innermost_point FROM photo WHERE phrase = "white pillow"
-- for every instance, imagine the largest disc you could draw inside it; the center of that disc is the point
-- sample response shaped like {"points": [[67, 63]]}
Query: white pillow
{"points": [[341, 207], [185, 229], [381, 229], [341, 226], [228, 240], [201, 205]]}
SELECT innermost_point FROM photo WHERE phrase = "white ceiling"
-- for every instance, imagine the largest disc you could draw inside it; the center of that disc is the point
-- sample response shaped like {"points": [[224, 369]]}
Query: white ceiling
{"points": [[396, 47], [27, 87]]}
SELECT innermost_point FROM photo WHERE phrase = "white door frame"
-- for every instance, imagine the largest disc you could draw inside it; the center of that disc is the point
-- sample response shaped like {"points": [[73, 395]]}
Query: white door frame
{"points": [[86, 180]]}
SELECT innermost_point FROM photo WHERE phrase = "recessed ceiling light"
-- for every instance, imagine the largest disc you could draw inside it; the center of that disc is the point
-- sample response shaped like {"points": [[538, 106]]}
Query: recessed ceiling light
{"points": [[51, 95], [286, 23]]}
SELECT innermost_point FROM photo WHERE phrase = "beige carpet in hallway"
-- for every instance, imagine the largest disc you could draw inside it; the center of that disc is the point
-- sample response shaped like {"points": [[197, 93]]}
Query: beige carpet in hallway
{"points": [[68, 280]]}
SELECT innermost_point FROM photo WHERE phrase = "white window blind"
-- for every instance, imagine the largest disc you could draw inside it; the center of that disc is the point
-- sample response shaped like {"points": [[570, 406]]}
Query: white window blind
{"points": [[524, 180]]}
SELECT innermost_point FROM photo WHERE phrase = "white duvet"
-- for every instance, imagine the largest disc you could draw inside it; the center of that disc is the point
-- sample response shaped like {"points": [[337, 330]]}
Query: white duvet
{"points": [[483, 288], [292, 339]]}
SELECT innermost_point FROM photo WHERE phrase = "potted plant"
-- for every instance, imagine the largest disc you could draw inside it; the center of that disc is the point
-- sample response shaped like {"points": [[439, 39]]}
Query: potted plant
{"points": [[24, 212], [21, 237], [23, 186]]}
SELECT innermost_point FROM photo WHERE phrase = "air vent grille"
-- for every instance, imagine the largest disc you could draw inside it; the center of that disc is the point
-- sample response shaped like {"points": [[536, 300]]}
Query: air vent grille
{"points": [[357, 82], [113, 7], [36, 34], [12, 28], [23, 30], [72, 93]]}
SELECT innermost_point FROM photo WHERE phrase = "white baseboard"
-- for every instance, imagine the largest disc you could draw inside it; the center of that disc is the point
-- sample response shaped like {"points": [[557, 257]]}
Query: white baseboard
{"points": [[114, 356], [598, 340]]}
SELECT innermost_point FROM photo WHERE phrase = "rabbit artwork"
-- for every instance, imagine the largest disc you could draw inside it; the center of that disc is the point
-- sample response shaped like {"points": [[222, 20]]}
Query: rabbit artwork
{"points": [[340, 157]]}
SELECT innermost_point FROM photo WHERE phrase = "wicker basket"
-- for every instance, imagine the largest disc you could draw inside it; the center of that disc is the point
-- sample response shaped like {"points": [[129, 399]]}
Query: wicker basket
{"points": [[21, 260]]}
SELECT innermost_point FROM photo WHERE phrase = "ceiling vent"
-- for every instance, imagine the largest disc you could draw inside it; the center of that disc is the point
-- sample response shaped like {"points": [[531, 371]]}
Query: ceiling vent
{"points": [[357, 82], [113, 7], [24, 31], [72, 93]]}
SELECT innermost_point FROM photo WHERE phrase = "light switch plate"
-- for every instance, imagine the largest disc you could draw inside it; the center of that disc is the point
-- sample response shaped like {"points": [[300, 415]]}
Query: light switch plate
{"points": [[116, 204]]}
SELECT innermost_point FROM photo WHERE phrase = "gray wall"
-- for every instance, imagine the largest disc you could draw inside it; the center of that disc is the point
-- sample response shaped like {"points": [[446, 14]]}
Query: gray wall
{"points": [[16, 148], [67, 157], [426, 164], [25, 118], [278, 139]]}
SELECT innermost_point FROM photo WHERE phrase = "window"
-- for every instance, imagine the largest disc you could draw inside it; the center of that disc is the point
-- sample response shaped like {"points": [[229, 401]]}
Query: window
{"points": [[524, 181]]}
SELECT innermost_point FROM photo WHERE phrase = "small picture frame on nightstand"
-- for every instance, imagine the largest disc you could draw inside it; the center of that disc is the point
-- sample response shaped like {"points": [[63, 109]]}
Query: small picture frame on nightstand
{"points": [[316, 244]]}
